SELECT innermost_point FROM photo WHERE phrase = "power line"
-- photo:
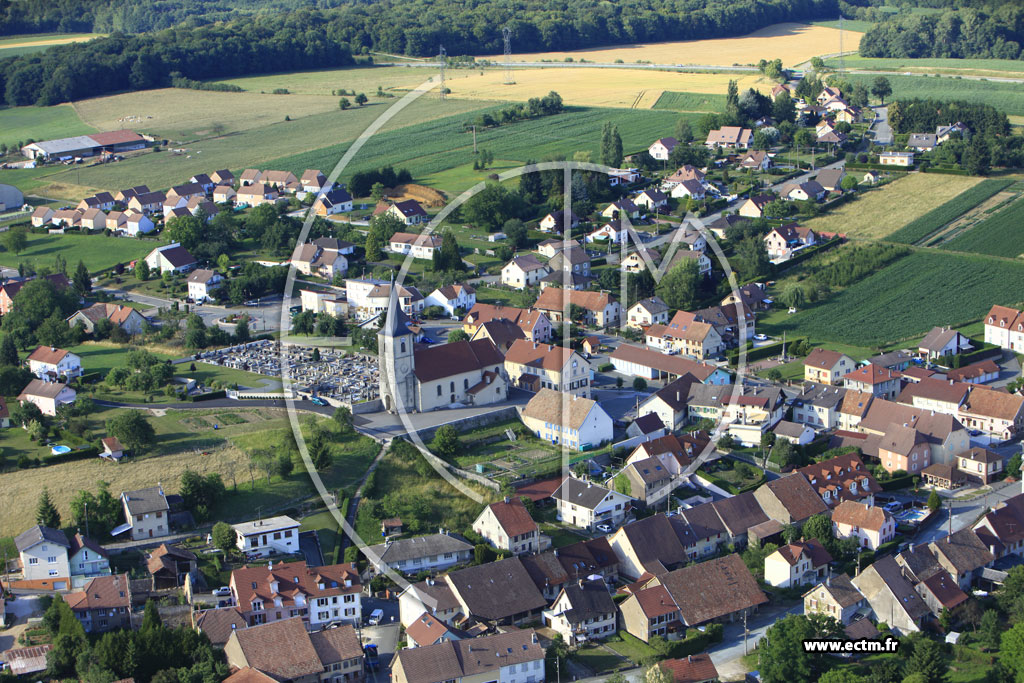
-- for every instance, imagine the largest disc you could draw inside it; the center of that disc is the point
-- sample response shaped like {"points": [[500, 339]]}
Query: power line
{"points": [[506, 33], [442, 57]]}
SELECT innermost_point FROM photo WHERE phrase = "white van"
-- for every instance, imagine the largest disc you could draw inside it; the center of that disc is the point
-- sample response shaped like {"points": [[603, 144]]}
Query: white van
{"points": [[375, 617]]}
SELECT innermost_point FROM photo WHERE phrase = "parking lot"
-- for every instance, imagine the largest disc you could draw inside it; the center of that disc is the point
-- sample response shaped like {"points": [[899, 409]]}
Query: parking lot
{"points": [[346, 376]]}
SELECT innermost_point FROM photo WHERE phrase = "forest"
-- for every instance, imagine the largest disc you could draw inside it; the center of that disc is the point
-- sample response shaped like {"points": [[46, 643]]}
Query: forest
{"points": [[994, 32], [419, 27]]}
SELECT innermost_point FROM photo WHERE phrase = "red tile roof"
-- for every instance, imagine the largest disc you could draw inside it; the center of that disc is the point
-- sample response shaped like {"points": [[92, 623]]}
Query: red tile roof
{"points": [[513, 517]]}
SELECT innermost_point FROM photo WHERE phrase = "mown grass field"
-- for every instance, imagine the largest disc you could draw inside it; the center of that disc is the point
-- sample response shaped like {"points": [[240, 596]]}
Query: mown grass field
{"points": [[790, 42], [685, 101], [258, 147], [907, 298], [20, 124], [1006, 97], [440, 145], [923, 226], [1001, 234], [872, 215], [97, 251], [365, 79], [964, 67], [182, 438], [596, 87]]}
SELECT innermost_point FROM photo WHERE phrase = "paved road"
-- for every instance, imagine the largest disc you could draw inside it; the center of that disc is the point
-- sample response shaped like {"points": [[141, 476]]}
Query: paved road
{"points": [[266, 317], [880, 128]]}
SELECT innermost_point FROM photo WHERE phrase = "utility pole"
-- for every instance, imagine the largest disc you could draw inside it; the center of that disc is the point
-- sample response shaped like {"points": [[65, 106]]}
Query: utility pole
{"points": [[745, 632], [86, 519], [442, 57]]}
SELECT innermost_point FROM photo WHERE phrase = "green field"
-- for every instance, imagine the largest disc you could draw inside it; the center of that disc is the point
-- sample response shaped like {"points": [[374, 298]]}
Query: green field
{"points": [[688, 101], [263, 147], [907, 298], [360, 78], [20, 124], [97, 251], [1006, 97], [920, 228], [14, 46], [934, 65], [999, 235], [435, 146]]}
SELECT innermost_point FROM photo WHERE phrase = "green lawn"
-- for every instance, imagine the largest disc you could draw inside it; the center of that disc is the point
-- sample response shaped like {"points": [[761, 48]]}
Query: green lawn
{"points": [[560, 536], [1006, 97], [937, 65], [317, 137], [633, 648], [327, 530], [690, 102], [19, 124], [97, 251], [597, 659], [102, 356]]}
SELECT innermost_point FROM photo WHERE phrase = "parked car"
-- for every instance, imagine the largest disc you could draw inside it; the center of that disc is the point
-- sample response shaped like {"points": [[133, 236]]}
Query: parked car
{"points": [[760, 337], [317, 401], [223, 590], [376, 616], [604, 528]]}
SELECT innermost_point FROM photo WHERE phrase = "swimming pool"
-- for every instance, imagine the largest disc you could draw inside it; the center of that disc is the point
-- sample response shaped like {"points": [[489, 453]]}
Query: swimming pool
{"points": [[912, 516], [60, 450]]}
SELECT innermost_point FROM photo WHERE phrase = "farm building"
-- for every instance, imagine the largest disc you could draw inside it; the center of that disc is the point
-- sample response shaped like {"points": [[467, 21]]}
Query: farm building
{"points": [[85, 145]]}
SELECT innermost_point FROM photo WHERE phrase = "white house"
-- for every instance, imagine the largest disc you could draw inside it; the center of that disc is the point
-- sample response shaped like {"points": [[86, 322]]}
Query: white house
{"points": [[434, 552], [578, 423], [871, 526], [652, 200], [147, 513], [201, 284], [44, 558], [661, 149], [420, 246], [47, 396], [689, 188], [524, 271], [409, 212], [49, 363], [135, 223], [585, 504], [452, 297], [582, 612], [172, 258], [612, 231], [276, 535]]}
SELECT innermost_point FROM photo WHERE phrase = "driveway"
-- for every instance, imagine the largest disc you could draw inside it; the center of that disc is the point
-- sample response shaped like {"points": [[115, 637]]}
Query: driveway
{"points": [[18, 611], [880, 129]]}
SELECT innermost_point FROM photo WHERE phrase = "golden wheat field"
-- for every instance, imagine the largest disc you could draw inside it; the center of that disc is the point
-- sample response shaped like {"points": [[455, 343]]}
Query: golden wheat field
{"points": [[792, 43], [597, 87], [872, 216], [20, 490]]}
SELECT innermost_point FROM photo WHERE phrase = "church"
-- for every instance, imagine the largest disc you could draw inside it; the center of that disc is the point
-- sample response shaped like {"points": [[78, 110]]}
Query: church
{"points": [[464, 373]]}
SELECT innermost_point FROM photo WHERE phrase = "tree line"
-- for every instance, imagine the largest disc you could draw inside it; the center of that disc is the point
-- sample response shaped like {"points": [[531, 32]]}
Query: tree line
{"points": [[993, 32], [293, 40], [152, 60], [420, 27]]}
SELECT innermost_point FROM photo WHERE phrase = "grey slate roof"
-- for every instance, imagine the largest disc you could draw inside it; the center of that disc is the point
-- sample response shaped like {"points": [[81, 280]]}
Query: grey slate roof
{"points": [[581, 493], [38, 534], [588, 600], [145, 500], [419, 546]]}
